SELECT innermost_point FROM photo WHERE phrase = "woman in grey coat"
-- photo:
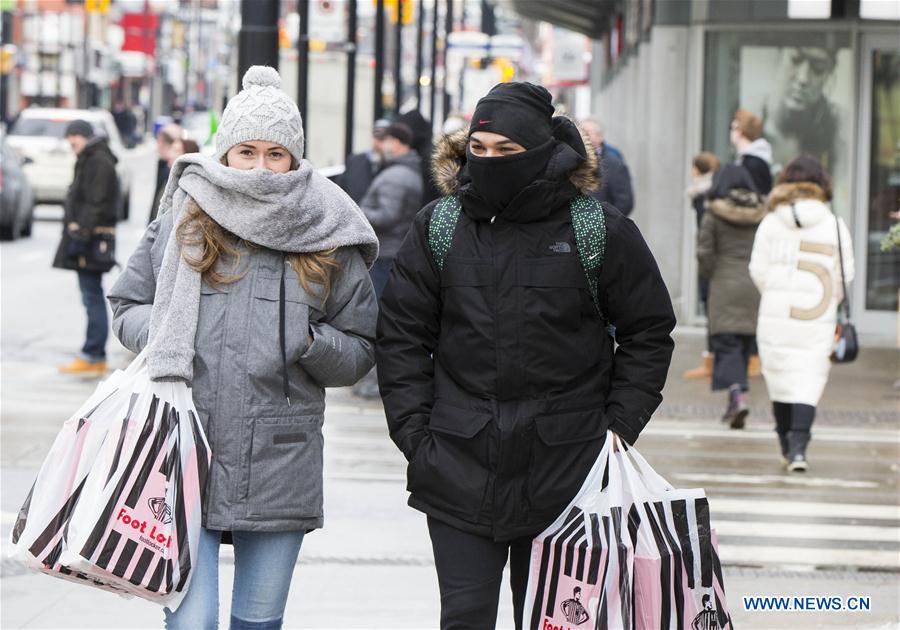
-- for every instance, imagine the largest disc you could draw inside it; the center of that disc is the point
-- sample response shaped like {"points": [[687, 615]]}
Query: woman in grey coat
{"points": [[734, 210], [252, 286]]}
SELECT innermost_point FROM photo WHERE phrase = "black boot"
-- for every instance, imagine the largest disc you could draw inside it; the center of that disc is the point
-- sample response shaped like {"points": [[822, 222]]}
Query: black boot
{"points": [[796, 454], [737, 411], [783, 443]]}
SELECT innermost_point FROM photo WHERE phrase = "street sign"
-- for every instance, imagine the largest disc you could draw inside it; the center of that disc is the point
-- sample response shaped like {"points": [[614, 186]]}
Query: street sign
{"points": [[97, 6]]}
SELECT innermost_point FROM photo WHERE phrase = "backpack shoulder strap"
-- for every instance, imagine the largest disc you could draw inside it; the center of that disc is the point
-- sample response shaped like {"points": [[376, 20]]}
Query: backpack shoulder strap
{"points": [[589, 225], [442, 227]]}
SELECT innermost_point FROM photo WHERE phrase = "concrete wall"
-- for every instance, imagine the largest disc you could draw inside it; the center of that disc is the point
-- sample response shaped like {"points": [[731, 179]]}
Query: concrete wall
{"points": [[645, 109]]}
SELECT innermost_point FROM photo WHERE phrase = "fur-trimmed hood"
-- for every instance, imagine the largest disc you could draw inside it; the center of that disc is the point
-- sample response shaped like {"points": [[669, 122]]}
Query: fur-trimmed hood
{"points": [[449, 153], [739, 209], [786, 193], [803, 202]]}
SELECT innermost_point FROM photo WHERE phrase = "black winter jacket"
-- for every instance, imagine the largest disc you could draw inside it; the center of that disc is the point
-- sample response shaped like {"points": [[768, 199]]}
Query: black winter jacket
{"points": [[498, 377], [91, 202]]}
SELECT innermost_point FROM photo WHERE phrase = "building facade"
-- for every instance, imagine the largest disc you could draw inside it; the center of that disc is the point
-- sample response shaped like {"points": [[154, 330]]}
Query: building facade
{"points": [[824, 76]]}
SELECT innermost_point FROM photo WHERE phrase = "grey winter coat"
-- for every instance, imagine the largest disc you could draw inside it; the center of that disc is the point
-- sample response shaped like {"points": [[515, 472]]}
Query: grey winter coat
{"points": [[266, 471], [723, 254], [392, 201]]}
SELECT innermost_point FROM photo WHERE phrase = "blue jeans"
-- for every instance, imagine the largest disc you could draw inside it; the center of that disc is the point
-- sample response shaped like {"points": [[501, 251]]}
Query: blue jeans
{"points": [[263, 568], [91, 285]]}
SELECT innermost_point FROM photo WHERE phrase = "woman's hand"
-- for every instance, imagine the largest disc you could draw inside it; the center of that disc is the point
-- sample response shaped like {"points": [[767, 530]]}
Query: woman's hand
{"points": [[615, 442]]}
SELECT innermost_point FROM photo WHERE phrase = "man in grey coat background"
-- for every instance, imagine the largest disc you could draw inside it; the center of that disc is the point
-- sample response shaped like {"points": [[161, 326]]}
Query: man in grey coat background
{"points": [[392, 201], [391, 204]]}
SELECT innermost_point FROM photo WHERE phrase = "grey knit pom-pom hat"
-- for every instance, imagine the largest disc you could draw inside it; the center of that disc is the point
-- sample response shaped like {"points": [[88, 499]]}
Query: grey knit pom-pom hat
{"points": [[261, 111]]}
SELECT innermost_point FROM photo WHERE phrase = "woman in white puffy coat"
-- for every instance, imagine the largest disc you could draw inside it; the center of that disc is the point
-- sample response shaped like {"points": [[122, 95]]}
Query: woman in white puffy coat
{"points": [[796, 267]]}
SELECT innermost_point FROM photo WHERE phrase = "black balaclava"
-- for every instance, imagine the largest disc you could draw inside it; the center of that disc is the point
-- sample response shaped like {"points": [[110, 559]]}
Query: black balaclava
{"points": [[523, 113]]}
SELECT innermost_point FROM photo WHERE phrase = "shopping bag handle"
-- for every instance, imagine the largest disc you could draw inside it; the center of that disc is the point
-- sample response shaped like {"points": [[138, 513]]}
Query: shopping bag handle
{"points": [[652, 479]]}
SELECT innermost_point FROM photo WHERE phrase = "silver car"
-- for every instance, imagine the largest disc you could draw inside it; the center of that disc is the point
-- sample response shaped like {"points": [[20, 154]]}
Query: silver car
{"points": [[38, 136], [16, 196]]}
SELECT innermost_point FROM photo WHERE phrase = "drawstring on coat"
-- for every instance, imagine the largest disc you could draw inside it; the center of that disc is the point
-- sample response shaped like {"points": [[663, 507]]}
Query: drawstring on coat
{"points": [[281, 326]]}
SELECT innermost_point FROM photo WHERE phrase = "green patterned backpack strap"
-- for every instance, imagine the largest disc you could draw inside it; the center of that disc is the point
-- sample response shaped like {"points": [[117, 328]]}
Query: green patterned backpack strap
{"points": [[442, 226], [589, 226]]}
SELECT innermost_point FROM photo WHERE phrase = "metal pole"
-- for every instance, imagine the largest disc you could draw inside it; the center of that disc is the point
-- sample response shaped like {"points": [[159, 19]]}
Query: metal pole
{"points": [[434, 38], [448, 28], [351, 79], [379, 59], [398, 58], [420, 28], [258, 38], [303, 61]]}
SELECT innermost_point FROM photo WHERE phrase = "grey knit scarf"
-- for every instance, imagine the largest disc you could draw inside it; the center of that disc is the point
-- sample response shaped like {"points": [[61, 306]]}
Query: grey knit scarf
{"points": [[299, 211]]}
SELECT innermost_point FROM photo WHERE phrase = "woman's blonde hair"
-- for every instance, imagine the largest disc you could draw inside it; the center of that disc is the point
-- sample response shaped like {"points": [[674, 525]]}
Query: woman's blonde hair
{"points": [[199, 229]]}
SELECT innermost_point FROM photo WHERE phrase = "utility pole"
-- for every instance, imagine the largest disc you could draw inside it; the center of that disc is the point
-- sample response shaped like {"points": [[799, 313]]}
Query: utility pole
{"points": [[448, 28], [258, 37], [434, 38], [398, 58], [351, 78], [420, 27], [303, 61], [379, 59]]}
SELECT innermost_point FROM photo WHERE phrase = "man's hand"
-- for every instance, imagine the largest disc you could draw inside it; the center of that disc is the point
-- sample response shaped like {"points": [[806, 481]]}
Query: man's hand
{"points": [[615, 442], [73, 227]]}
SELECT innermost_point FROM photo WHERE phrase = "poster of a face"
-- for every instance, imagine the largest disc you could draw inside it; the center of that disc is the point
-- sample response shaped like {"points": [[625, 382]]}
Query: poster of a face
{"points": [[805, 106]]}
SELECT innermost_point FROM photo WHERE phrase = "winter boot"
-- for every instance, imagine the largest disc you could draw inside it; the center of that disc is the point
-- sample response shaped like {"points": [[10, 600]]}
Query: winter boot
{"points": [[701, 371], [81, 367], [754, 367], [796, 457], [737, 411], [783, 443]]}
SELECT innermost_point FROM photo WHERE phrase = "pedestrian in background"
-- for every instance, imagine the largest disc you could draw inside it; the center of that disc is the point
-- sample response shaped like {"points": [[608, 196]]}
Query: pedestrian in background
{"points": [[168, 146], [126, 122], [391, 202], [612, 171], [734, 209], [423, 144], [253, 283], [796, 265], [498, 377], [703, 168], [88, 239], [361, 168], [753, 151]]}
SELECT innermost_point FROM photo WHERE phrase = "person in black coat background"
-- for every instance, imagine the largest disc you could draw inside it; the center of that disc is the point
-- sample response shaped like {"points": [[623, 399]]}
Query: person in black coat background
{"points": [[361, 168], [754, 152], [614, 174], [88, 239], [497, 373]]}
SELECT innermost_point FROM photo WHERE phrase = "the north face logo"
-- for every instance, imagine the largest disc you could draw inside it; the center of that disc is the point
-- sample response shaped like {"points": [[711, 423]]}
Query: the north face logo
{"points": [[160, 510], [561, 248]]}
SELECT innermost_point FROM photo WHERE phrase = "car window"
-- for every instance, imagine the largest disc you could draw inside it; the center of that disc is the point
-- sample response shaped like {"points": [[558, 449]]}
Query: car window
{"points": [[39, 127], [47, 127]]}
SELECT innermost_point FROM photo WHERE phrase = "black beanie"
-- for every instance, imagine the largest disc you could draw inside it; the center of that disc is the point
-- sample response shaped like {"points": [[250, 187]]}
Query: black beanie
{"points": [[79, 128], [401, 132], [519, 111]]}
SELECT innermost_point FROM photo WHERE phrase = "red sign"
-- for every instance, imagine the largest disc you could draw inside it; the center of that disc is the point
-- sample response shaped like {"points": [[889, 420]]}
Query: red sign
{"points": [[140, 32]]}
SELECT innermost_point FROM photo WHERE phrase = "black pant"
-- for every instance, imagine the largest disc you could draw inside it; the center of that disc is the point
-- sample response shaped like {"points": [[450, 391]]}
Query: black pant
{"points": [[91, 285], [732, 352], [470, 572], [793, 422]]}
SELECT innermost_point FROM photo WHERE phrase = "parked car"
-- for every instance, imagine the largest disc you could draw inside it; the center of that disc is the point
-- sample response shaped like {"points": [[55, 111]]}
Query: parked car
{"points": [[38, 136], [16, 196]]}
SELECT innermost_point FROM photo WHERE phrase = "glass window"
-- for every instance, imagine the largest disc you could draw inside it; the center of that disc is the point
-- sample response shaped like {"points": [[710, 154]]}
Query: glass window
{"points": [[883, 268], [799, 82]]}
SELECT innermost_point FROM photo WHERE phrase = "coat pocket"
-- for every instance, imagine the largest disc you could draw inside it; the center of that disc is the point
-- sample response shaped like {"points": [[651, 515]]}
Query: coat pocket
{"points": [[565, 447], [264, 364], [450, 466], [284, 468]]}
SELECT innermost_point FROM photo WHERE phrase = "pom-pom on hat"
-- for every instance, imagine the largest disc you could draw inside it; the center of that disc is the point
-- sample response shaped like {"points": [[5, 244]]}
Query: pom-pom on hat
{"points": [[261, 111]]}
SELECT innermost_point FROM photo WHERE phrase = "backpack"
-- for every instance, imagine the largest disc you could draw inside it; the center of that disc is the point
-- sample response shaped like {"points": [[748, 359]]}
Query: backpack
{"points": [[588, 223]]}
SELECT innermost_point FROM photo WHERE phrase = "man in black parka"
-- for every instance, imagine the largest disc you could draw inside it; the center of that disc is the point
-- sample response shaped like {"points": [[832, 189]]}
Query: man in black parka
{"points": [[498, 376], [88, 240]]}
